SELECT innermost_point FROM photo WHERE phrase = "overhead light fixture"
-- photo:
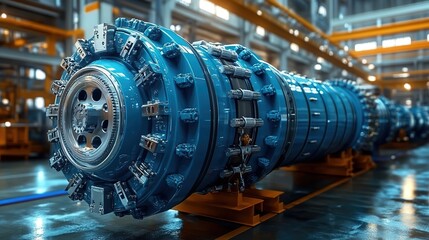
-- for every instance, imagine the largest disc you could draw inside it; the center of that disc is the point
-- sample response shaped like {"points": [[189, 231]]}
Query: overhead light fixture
{"points": [[317, 67], [401, 75], [408, 102], [407, 86], [346, 48], [371, 66], [344, 61], [291, 31], [344, 73], [3, 15], [405, 69], [294, 47], [7, 124], [296, 33], [259, 12], [306, 39], [350, 64], [372, 78], [364, 61], [320, 59]]}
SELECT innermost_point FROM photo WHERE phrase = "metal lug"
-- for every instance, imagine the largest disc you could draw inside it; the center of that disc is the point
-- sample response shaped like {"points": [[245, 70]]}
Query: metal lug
{"points": [[104, 35], [185, 150], [151, 143], [268, 90], [76, 187], [57, 161], [244, 95], [242, 149], [274, 116], [148, 74], [184, 80], [52, 111], [53, 135], [189, 115], [57, 87], [141, 171], [127, 199], [222, 53], [153, 109], [170, 50], [245, 122], [236, 72], [101, 200]]}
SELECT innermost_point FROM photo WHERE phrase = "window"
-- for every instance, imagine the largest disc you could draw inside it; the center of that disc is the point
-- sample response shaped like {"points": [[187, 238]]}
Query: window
{"points": [[40, 75], [185, 2], [365, 46], [39, 102], [322, 10], [213, 9], [260, 31], [222, 13], [207, 6], [396, 42]]}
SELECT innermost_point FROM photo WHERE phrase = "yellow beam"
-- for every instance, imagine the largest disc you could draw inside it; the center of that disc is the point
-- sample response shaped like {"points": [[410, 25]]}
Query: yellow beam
{"points": [[25, 25], [304, 22], [271, 24], [416, 45], [399, 84], [411, 73], [386, 29]]}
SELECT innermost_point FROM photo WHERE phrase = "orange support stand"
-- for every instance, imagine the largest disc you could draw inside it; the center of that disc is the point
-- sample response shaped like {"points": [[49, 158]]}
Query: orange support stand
{"points": [[346, 163], [249, 208]]}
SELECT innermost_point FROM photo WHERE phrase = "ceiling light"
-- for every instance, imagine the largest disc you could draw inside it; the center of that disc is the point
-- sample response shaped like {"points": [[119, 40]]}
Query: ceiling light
{"points": [[317, 67], [371, 66], [294, 47], [405, 69], [364, 61], [3, 15], [408, 102], [407, 86], [306, 39], [296, 33], [401, 75], [372, 78], [346, 48], [320, 59], [259, 12]]}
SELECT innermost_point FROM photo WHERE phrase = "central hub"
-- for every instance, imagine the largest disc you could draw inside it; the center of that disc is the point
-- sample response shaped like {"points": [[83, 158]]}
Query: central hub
{"points": [[90, 117]]}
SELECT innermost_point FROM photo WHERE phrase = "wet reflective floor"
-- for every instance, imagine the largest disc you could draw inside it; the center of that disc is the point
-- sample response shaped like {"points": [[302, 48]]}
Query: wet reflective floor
{"points": [[390, 202]]}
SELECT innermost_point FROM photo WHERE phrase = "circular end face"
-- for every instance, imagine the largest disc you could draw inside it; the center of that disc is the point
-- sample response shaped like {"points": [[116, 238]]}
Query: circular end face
{"points": [[89, 118]]}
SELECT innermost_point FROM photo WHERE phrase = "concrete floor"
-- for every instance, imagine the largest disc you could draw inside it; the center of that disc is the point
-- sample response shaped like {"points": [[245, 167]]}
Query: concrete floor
{"points": [[390, 202]]}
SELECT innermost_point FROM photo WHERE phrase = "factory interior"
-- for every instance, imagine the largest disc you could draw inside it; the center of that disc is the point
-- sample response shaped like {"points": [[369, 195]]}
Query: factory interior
{"points": [[265, 72]]}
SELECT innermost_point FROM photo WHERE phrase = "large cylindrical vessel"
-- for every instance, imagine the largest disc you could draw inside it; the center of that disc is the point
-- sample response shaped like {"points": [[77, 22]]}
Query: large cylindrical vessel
{"points": [[142, 118]]}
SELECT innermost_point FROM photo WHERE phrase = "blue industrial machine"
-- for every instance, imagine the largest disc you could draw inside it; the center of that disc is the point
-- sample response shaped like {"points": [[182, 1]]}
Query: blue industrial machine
{"points": [[142, 118]]}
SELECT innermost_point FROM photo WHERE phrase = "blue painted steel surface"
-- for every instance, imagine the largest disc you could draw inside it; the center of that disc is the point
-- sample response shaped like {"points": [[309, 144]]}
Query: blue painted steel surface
{"points": [[185, 118]]}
